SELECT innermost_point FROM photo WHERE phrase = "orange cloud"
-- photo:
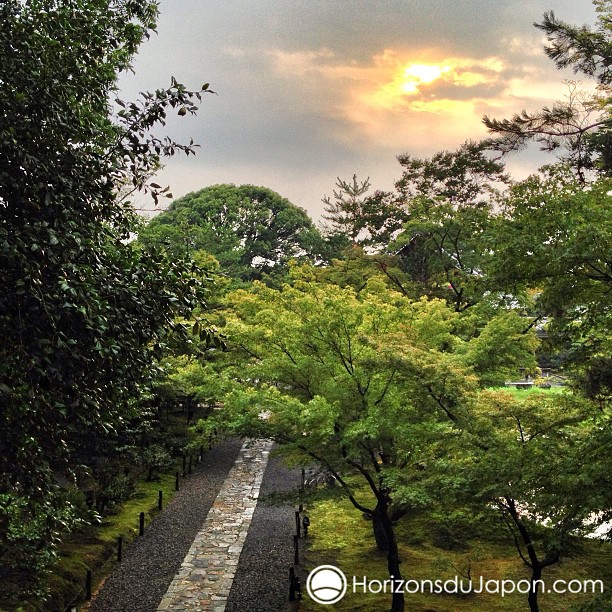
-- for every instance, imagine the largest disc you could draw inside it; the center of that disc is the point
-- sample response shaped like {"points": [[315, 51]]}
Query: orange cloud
{"points": [[418, 99]]}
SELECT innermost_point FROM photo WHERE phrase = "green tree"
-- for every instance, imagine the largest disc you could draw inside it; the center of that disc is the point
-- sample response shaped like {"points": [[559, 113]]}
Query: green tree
{"points": [[554, 236], [449, 200], [578, 126], [81, 310], [585, 49], [370, 386], [252, 231], [531, 458], [357, 267], [344, 213], [370, 221], [461, 178]]}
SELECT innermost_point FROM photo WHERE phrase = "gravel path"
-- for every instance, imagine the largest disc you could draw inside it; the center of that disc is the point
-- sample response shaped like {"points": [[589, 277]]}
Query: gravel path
{"points": [[151, 561], [261, 583]]}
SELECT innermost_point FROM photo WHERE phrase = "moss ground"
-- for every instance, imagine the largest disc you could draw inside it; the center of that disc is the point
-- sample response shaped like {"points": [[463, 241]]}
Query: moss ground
{"points": [[340, 536], [95, 548]]}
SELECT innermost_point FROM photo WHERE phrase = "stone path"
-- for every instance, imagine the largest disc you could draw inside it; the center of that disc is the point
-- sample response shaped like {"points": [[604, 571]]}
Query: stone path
{"points": [[205, 577]]}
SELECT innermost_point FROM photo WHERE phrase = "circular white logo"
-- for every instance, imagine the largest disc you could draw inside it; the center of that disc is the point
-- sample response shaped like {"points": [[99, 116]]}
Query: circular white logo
{"points": [[326, 584]]}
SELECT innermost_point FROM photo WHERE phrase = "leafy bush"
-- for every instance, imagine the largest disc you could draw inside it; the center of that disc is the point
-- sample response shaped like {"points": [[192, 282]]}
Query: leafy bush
{"points": [[155, 458]]}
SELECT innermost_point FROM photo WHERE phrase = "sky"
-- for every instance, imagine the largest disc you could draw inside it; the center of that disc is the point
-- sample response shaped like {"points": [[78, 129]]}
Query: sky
{"points": [[309, 91]]}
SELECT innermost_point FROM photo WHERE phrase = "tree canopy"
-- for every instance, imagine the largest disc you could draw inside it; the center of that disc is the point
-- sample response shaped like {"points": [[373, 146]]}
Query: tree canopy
{"points": [[252, 231], [554, 237], [81, 310], [371, 383]]}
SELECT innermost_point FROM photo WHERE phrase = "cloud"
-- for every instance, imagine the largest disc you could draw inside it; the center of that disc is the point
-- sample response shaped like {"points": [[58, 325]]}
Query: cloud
{"points": [[309, 90], [422, 98]]}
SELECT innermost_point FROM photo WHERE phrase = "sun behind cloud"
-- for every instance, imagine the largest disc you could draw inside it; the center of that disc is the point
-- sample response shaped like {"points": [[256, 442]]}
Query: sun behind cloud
{"points": [[415, 75], [424, 97], [407, 84]]}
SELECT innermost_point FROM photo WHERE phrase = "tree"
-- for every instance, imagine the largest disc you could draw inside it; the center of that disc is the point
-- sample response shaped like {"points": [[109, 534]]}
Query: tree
{"points": [[449, 200], [370, 386], [580, 124], [357, 267], [530, 457], [344, 212], [82, 311], [461, 178], [575, 128], [585, 50], [441, 250], [371, 221], [554, 236], [252, 231]]}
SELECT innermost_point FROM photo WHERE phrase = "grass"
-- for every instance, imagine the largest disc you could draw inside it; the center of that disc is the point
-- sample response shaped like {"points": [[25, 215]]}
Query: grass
{"points": [[519, 393], [95, 548], [340, 536]]}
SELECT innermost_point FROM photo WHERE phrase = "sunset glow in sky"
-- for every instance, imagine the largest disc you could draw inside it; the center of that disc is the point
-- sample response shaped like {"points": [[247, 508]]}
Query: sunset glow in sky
{"points": [[309, 91]]}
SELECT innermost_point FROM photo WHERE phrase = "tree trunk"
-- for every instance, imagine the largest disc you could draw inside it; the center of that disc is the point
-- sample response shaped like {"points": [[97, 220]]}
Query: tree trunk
{"points": [[534, 562], [532, 598], [378, 527], [385, 536]]}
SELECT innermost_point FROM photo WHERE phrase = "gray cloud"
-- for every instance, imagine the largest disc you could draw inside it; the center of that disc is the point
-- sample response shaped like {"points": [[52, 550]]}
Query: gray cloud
{"points": [[296, 129]]}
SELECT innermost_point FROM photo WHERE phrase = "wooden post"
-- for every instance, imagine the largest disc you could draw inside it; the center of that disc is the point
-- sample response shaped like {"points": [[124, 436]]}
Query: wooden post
{"points": [[291, 584], [88, 585], [176, 482], [190, 463], [142, 519], [160, 500], [298, 588], [119, 548], [184, 465]]}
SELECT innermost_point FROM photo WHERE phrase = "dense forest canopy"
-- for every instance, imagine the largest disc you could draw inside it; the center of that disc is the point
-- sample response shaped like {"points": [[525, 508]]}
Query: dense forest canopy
{"points": [[82, 312], [252, 231]]}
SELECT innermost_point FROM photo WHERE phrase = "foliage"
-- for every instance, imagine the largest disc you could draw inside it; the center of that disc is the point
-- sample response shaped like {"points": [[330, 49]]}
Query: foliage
{"points": [[344, 213], [585, 50], [252, 231], [81, 310], [113, 485], [441, 250], [513, 349], [371, 221], [155, 457], [27, 530], [528, 457], [580, 124], [448, 200], [358, 269], [457, 187], [465, 177], [373, 384], [555, 237]]}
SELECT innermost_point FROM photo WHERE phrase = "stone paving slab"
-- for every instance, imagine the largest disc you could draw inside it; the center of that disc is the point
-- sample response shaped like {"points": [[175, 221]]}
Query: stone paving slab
{"points": [[205, 577]]}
